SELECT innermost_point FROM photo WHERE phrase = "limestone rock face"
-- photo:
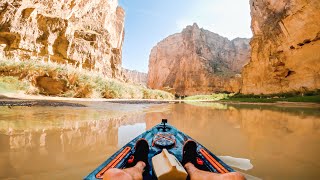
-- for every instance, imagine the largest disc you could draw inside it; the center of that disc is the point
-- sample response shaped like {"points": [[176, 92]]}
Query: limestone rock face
{"points": [[196, 61], [136, 77], [234, 84], [87, 34], [285, 47]]}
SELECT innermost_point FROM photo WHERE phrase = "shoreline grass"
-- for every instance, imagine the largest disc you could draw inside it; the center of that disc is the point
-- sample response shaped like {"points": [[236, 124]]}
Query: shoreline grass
{"points": [[311, 96], [311, 99], [212, 97], [77, 83]]}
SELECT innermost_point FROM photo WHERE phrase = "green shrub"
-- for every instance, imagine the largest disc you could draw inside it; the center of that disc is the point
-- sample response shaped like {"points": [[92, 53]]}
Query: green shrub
{"points": [[13, 84]]}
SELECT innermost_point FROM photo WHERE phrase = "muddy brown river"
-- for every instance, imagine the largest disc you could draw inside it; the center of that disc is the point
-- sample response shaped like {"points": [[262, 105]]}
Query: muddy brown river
{"points": [[261, 141]]}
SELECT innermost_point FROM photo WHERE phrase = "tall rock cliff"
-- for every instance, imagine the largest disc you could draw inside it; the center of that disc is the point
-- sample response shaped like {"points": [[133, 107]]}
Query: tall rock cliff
{"points": [[285, 47], [87, 34], [136, 77], [196, 61]]}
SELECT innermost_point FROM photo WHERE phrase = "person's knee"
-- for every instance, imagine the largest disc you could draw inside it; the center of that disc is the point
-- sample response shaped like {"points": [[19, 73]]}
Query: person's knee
{"points": [[116, 174]]}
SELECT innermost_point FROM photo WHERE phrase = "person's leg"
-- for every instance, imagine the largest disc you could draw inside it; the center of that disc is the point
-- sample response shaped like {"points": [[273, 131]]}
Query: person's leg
{"points": [[133, 173], [189, 155], [135, 169], [196, 174]]}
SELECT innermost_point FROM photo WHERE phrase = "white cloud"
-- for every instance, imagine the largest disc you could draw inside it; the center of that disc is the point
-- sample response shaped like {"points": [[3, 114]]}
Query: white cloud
{"points": [[229, 18]]}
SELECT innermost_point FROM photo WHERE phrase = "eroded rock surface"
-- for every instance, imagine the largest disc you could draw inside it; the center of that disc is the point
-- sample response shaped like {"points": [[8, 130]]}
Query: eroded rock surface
{"points": [[196, 61], [285, 47], [87, 34], [136, 77]]}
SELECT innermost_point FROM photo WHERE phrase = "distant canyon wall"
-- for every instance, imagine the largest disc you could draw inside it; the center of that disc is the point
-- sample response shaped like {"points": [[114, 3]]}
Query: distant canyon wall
{"points": [[86, 34], [197, 61], [285, 47], [135, 77]]}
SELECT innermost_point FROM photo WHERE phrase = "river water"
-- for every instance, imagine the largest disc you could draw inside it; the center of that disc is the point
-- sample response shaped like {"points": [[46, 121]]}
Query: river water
{"points": [[262, 141]]}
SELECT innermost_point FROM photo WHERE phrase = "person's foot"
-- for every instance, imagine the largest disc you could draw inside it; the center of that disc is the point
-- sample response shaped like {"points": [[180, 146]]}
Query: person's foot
{"points": [[196, 174], [133, 173], [141, 151], [189, 153]]}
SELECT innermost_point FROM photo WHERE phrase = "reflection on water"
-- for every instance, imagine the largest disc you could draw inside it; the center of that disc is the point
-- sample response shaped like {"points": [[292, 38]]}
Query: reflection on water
{"points": [[68, 142], [240, 163], [128, 132]]}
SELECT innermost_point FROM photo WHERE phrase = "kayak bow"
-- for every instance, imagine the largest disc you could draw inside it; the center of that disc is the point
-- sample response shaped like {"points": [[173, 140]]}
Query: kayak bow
{"points": [[161, 136]]}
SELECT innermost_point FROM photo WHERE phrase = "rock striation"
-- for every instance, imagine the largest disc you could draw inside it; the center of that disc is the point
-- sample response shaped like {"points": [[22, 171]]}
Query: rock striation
{"points": [[285, 48], [136, 77], [196, 61], [87, 34]]}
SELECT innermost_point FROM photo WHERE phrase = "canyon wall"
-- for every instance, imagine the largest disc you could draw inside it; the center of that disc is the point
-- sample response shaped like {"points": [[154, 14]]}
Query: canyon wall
{"points": [[135, 77], [285, 48], [87, 34], [196, 61]]}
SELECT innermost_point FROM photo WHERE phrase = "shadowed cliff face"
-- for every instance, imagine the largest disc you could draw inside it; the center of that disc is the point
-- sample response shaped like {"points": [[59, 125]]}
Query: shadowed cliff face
{"points": [[196, 61], [285, 47], [87, 34]]}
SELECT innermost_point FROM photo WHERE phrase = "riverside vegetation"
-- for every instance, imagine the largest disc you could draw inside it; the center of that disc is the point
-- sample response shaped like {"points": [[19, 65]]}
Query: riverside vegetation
{"points": [[309, 96], [47, 78], [68, 81]]}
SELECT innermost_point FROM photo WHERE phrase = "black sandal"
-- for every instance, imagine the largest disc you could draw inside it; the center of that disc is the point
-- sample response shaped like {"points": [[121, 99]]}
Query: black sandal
{"points": [[189, 153], [141, 152]]}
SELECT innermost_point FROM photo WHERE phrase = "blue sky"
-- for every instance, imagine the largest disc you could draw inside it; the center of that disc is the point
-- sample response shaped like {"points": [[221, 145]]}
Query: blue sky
{"points": [[149, 21]]}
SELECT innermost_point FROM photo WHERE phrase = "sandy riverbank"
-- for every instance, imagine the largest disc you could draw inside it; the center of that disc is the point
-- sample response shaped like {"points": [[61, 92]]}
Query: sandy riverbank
{"points": [[14, 101], [20, 99]]}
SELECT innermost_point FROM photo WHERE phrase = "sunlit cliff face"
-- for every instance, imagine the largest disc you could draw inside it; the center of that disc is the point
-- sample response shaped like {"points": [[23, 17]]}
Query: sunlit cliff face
{"points": [[284, 54], [285, 47], [196, 61], [86, 34]]}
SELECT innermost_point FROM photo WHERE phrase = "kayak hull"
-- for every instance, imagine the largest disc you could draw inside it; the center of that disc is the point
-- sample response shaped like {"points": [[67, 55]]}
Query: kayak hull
{"points": [[159, 137]]}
